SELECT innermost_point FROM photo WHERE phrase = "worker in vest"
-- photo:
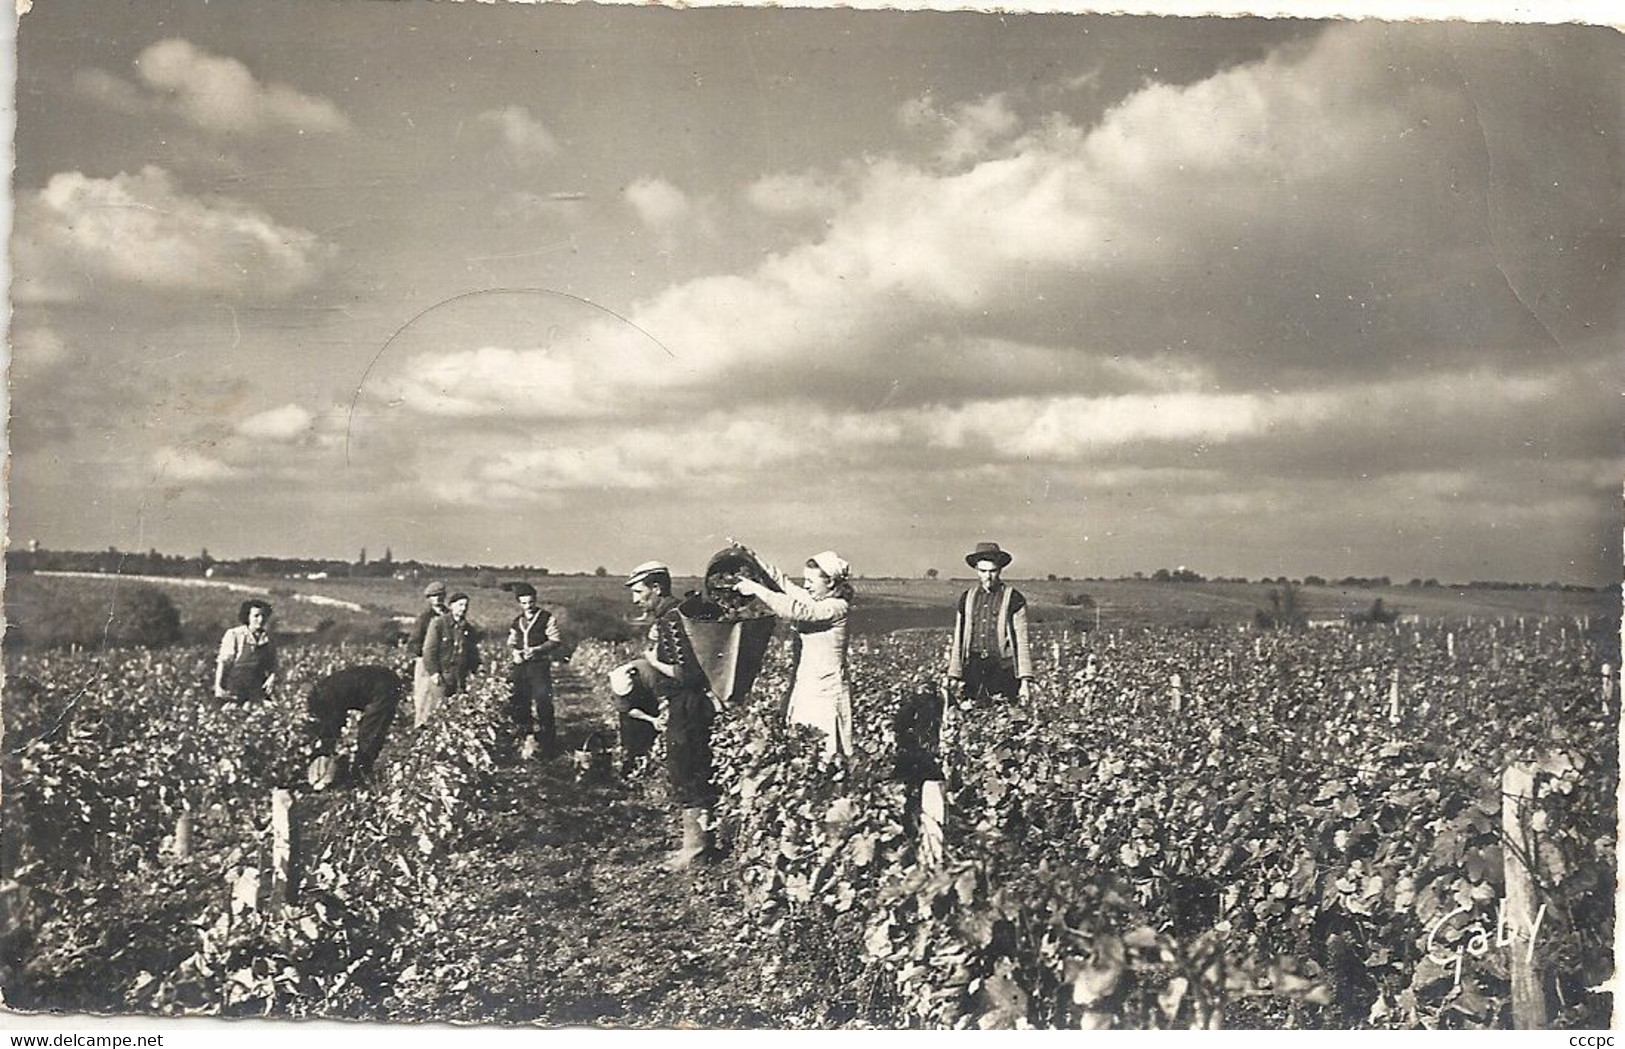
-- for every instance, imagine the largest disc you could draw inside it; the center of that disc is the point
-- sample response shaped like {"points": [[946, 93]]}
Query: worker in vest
{"points": [[991, 655], [533, 640]]}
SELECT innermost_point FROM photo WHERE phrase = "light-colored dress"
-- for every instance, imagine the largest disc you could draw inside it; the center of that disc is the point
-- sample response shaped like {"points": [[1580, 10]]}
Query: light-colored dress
{"points": [[819, 695]]}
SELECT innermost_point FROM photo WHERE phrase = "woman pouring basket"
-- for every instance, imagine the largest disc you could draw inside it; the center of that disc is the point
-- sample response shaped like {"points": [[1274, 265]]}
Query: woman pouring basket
{"points": [[817, 610]]}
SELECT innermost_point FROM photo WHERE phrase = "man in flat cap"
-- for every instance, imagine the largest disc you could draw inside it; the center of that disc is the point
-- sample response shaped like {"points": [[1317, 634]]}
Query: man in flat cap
{"points": [[451, 654], [680, 685], [435, 594], [637, 705], [991, 655], [533, 639]]}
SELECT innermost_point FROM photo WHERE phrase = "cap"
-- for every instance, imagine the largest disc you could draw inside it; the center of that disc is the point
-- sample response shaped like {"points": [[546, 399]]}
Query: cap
{"points": [[645, 570], [523, 590], [436, 587], [458, 596]]}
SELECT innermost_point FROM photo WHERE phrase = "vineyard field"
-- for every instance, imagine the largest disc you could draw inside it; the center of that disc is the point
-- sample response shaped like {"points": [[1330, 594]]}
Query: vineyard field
{"points": [[1185, 827], [887, 604]]}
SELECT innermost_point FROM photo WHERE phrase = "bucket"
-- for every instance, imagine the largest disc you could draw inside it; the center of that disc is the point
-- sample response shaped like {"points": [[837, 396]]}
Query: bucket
{"points": [[729, 632]]}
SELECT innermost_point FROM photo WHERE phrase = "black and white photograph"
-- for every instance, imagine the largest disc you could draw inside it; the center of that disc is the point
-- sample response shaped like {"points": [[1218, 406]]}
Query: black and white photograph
{"points": [[654, 517]]}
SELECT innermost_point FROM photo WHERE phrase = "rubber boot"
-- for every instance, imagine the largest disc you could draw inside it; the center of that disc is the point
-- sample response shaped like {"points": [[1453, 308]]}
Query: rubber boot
{"points": [[696, 841]]}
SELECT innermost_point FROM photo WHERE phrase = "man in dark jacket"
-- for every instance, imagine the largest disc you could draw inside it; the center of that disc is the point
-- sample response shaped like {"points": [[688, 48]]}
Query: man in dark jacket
{"points": [[373, 690], [450, 654], [533, 639]]}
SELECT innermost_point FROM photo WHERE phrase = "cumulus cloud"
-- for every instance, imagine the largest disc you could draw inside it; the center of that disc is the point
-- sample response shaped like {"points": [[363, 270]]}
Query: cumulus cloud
{"points": [[283, 425], [1297, 267], [180, 465], [524, 139], [791, 194], [216, 93], [967, 131], [657, 203], [141, 229], [111, 92]]}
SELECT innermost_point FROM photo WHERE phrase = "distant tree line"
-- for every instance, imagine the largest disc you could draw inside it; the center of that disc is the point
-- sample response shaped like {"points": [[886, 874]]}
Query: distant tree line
{"points": [[131, 562], [114, 561]]}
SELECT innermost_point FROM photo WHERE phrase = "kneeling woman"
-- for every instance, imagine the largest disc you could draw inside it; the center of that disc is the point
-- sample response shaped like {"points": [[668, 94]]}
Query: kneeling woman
{"points": [[817, 612]]}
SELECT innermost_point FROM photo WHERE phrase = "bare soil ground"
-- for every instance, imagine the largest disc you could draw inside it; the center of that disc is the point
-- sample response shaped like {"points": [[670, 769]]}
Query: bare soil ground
{"points": [[562, 915]]}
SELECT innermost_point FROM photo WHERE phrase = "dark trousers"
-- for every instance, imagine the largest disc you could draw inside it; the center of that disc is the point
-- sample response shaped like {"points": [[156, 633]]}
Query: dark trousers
{"points": [[325, 725], [987, 679], [689, 714], [532, 701], [637, 735]]}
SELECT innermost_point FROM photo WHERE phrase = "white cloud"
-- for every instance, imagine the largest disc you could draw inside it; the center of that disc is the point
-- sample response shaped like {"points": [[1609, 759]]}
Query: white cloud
{"points": [[524, 139], [968, 132], [220, 94], [717, 448], [283, 425], [790, 194], [80, 232], [657, 203], [111, 92], [492, 380], [188, 466], [1259, 266], [1062, 428]]}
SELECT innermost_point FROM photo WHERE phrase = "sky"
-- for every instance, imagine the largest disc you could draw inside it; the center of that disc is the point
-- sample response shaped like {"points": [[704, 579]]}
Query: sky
{"points": [[576, 286]]}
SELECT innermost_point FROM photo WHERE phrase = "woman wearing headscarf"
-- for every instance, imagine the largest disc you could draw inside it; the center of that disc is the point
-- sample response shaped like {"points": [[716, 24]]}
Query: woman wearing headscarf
{"points": [[245, 668], [817, 611]]}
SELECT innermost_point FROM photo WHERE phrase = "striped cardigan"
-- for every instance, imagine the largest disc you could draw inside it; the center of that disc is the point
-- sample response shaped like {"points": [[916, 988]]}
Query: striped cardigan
{"points": [[1014, 650]]}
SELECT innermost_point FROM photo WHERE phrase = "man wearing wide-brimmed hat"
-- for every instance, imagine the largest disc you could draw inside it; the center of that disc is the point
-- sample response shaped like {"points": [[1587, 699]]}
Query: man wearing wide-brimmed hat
{"points": [[991, 655], [435, 594]]}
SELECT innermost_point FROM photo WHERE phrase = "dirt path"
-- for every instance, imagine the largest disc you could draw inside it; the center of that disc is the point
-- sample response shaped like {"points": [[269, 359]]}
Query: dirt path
{"points": [[562, 914]]}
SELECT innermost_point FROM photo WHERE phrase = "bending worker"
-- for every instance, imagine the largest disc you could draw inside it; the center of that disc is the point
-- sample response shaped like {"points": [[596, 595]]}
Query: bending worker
{"points": [[376, 692]]}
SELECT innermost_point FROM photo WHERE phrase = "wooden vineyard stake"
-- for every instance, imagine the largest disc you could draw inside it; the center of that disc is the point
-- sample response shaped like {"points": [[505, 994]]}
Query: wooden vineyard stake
{"points": [[1393, 698], [284, 849], [934, 794], [1055, 652], [183, 835], [933, 815], [1176, 695], [1450, 644], [1530, 1010], [1607, 687]]}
